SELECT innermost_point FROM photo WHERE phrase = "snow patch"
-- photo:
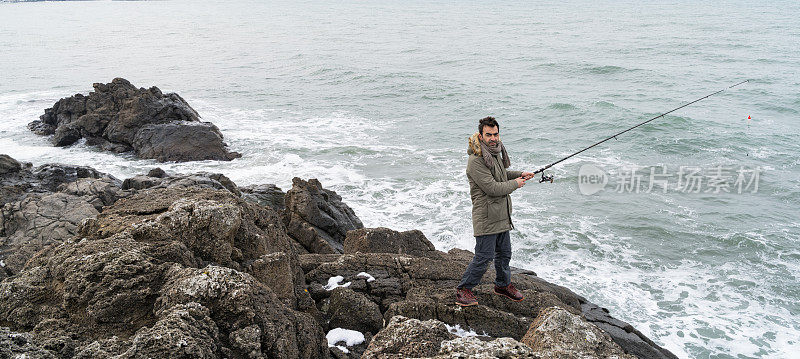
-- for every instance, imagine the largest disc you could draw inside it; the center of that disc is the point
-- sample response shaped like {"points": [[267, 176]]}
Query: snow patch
{"points": [[456, 329], [333, 283], [369, 277], [349, 337]]}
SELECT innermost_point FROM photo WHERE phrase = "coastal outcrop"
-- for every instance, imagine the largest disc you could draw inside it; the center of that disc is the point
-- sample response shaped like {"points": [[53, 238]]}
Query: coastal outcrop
{"points": [[120, 117], [194, 266]]}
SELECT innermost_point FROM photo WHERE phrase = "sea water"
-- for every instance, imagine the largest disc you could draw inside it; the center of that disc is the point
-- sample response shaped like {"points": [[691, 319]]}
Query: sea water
{"points": [[376, 99]]}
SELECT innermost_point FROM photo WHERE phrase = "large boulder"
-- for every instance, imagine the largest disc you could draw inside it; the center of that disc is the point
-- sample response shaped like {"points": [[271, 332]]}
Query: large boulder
{"points": [[412, 338], [44, 205], [352, 310], [29, 225], [216, 225], [248, 314], [625, 335], [557, 333], [8, 164], [268, 195], [408, 338], [119, 117], [317, 218]]}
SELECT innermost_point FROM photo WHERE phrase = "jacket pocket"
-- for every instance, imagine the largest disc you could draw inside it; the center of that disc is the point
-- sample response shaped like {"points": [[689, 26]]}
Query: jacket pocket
{"points": [[496, 209]]}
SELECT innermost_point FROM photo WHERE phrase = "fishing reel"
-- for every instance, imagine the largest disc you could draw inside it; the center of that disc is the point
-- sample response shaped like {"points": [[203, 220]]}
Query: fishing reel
{"points": [[546, 178]]}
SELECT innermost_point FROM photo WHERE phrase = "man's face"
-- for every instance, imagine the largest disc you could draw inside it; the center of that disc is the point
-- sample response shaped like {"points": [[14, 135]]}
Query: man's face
{"points": [[490, 135]]}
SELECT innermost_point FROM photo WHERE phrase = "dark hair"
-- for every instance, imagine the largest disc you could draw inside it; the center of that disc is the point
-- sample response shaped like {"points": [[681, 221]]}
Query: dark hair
{"points": [[487, 121]]}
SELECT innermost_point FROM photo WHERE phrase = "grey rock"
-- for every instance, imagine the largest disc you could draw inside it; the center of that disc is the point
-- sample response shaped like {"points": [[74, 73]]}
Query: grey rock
{"points": [[8, 165], [317, 217], [472, 347], [245, 311], [38, 220], [408, 338], [181, 142], [217, 226], [156, 172], [21, 345], [557, 333], [266, 195], [624, 334], [197, 179], [352, 310], [119, 117], [183, 331], [385, 240], [282, 273]]}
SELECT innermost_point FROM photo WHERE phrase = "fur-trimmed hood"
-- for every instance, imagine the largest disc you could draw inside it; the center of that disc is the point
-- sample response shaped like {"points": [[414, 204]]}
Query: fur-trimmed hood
{"points": [[474, 145]]}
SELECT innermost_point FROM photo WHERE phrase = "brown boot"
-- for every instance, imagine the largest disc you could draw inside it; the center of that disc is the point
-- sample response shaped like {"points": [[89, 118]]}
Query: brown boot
{"points": [[465, 298], [510, 292]]}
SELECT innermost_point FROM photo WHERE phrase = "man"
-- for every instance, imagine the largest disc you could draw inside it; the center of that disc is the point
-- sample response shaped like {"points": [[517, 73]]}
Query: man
{"points": [[490, 183]]}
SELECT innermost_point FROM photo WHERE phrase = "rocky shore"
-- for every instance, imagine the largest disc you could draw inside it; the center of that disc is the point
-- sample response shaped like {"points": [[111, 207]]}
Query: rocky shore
{"points": [[193, 266]]}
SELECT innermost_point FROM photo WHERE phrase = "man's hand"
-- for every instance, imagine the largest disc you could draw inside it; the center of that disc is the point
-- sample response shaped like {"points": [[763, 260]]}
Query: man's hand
{"points": [[527, 175], [520, 182]]}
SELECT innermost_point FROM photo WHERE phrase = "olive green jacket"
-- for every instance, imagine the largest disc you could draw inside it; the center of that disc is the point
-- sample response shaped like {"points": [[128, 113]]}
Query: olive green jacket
{"points": [[489, 190]]}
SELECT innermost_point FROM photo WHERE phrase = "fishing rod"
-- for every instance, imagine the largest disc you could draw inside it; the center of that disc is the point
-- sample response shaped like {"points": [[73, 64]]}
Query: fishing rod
{"points": [[546, 178]]}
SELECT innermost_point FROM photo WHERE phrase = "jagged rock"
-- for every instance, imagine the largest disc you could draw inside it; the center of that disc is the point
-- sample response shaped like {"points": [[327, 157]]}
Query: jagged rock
{"points": [[8, 164], [408, 338], [246, 312], [216, 225], [181, 141], [29, 225], [119, 117], [266, 195], [76, 289], [317, 217], [97, 192], [94, 290], [14, 185], [156, 172], [184, 331], [197, 179], [352, 310], [624, 334], [557, 333], [474, 348], [21, 345], [281, 272], [385, 240], [46, 205]]}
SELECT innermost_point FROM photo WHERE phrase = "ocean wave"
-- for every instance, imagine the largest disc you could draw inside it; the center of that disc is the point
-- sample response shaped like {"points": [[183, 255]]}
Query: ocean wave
{"points": [[606, 70], [562, 106]]}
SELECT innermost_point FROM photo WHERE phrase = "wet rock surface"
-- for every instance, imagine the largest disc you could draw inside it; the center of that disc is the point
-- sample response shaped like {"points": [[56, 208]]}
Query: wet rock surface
{"points": [[193, 266], [120, 117]]}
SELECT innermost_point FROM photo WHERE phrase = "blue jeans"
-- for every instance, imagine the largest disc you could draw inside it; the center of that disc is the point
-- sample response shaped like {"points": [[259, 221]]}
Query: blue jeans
{"points": [[488, 247]]}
